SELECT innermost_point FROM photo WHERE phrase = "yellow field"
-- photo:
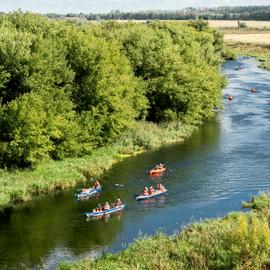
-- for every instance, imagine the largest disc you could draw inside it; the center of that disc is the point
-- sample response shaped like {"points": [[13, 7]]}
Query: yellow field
{"points": [[229, 24], [248, 38]]}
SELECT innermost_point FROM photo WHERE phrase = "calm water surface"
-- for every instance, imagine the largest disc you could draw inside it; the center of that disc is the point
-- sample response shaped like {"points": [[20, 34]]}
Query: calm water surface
{"points": [[224, 162]]}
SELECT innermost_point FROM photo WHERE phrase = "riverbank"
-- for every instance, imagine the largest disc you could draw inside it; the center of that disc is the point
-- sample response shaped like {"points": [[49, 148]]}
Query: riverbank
{"points": [[23, 185], [237, 241], [260, 51], [249, 41]]}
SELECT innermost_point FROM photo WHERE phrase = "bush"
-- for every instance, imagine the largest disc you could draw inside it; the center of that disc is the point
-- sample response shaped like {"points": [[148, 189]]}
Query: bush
{"points": [[242, 25]]}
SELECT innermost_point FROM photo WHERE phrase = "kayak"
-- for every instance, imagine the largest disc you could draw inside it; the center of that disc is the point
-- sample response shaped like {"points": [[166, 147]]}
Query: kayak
{"points": [[105, 212], [89, 192], [144, 197], [157, 171]]}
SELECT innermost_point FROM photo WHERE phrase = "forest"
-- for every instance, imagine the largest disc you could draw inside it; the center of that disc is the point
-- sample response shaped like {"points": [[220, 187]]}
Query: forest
{"points": [[67, 88], [260, 13]]}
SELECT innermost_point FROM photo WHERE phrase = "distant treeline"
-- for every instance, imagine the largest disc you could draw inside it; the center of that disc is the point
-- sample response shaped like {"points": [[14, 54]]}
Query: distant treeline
{"points": [[261, 13], [67, 87]]}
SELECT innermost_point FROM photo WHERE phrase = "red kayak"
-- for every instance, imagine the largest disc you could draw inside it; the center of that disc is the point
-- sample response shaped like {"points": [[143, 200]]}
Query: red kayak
{"points": [[157, 171]]}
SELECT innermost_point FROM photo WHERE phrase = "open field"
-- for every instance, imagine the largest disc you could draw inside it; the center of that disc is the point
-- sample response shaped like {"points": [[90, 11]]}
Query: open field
{"points": [[249, 41], [258, 38], [222, 24], [233, 24]]}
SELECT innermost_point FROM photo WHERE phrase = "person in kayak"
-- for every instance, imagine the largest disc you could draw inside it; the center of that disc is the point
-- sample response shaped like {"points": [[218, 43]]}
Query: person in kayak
{"points": [[106, 206], [159, 166], [118, 203], [160, 187], [145, 191], [96, 210], [96, 185], [151, 190]]}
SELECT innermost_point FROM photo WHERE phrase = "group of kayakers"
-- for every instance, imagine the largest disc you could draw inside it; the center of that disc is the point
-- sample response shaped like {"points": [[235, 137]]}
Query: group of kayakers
{"points": [[252, 90], [107, 206], [159, 166], [118, 205], [152, 190], [157, 170], [96, 185]]}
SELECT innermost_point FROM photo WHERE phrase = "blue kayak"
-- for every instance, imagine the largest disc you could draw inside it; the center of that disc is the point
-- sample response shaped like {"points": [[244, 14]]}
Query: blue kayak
{"points": [[89, 192], [105, 212], [144, 197]]}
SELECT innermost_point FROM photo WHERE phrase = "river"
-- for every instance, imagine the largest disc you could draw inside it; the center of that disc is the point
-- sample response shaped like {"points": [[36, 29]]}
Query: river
{"points": [[223, 163]]}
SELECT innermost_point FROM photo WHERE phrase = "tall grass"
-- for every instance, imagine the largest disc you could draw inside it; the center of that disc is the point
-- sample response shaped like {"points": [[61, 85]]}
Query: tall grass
{"points": [[260, 202], [237, 241], [261, 51], [21, 185], [150, 136]]}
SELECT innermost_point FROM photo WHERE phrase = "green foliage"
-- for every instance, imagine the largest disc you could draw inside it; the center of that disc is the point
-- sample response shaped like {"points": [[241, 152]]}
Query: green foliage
{"points": [[199, 25], [36, 126], [175, 63], [67, 88], [242, 25], [261, 51], [260, 202], [248, 13], [104, 85], [149, 136]]}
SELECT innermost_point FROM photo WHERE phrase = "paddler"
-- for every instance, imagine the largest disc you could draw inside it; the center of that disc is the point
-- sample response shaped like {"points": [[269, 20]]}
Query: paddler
{"points": [[160, 187], [118, 203], [151, 190], [145, 191], [106, 206], [96, 185]]}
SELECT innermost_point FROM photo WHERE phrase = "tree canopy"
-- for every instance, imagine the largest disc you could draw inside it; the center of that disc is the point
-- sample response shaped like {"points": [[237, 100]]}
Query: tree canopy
{"points": [[67, 88], [260, 13]]}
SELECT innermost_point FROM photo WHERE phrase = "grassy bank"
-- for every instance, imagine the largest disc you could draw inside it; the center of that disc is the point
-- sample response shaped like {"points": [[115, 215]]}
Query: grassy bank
{"points": [[237, 241], [260, 51], [22, 185], [249, 41]]}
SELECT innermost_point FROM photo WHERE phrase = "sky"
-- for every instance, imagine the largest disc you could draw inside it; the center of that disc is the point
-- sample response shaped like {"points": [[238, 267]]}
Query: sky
{"points": [[104, 6]]}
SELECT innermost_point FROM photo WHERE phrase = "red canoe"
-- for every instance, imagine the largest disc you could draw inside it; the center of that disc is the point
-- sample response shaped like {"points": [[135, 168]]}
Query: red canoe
{"points": [[157, 171]]}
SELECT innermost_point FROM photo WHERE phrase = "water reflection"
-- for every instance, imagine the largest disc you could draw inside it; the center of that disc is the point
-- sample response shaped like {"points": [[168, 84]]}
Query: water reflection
{"points": [[106, 218], [153, 202], [94, 197]]}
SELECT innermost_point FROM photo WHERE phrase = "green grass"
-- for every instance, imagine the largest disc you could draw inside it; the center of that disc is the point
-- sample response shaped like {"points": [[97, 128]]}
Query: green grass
{"points": [[150, 136], [260, 202], [237, 241], [260, 51], [22, 185]]}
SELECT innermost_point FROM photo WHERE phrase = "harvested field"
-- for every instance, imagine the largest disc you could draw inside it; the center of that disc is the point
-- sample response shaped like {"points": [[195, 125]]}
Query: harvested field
{"points": [[261, 38], [233, 24]]}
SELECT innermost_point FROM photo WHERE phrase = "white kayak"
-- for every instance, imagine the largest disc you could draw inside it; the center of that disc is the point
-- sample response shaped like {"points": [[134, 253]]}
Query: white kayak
{"points": [[105, 212], [89, 192], [144, 197]]}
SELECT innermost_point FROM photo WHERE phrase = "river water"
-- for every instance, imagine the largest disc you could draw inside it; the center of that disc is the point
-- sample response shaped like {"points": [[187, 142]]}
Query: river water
{"points": [[224, 162]]}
